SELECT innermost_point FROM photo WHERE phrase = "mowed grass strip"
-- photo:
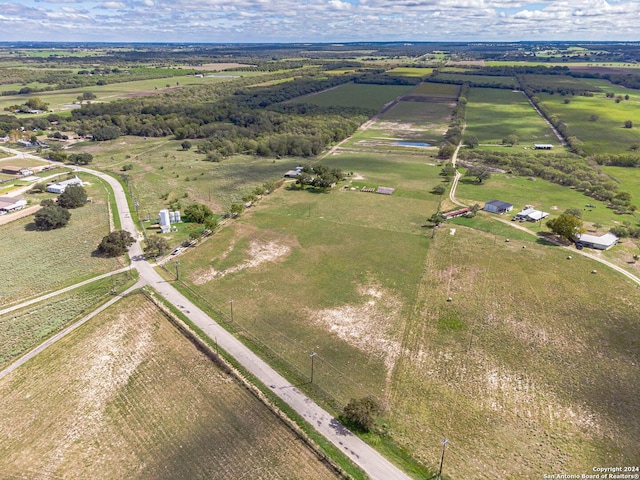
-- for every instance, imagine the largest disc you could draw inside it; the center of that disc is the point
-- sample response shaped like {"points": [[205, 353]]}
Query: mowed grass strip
{"points": [[493, 114], [528, 368], [127, 396], [36, 262], [24, 329]]}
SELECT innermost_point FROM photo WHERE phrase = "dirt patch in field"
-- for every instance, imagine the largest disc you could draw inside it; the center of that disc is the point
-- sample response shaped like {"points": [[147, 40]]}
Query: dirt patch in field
{"points": [[365, 325], [260, 252]]}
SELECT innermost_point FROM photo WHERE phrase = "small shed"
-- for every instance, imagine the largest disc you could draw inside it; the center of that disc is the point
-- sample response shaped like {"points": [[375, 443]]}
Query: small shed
{"points": [[498, 206], [603, 242]]}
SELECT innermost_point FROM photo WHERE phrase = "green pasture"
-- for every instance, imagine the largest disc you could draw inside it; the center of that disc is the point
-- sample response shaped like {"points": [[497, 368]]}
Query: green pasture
{"points": [[436, 89], [42, 262], [605, 134], [337, 251], [163, 172], [356, 95], [515, 370], [493, 114], [494, 80], [628, 180], [355, 278], [26, 328], [410, 72], [543, 195]]}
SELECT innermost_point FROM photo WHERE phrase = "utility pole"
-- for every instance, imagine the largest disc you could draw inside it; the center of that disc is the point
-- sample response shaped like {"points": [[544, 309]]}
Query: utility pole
{"points": [[312, 355], [231, 305], [177, 263], [444, 444]]}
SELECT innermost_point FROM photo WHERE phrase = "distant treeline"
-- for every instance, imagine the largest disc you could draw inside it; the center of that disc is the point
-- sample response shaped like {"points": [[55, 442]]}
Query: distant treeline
{"points": [[252, 120]]}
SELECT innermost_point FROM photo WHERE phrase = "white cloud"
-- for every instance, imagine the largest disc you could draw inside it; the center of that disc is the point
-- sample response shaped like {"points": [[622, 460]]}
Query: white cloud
{"points": [[321, 20]]}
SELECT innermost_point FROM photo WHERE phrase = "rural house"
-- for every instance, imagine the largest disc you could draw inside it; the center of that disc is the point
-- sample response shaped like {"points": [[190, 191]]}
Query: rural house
{"points": [[60, 187], [530, 215], [603, 242], [497, 206]]}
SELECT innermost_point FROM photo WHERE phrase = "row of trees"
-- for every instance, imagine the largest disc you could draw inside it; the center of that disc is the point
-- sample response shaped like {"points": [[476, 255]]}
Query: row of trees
{"points": [[563, 169], [453, 135]]}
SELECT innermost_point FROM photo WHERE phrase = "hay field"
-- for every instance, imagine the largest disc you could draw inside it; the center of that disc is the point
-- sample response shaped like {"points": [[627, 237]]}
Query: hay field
{"points": [[127, 396], [41, 262], [493, 114], [24, 329], [529, 370]]}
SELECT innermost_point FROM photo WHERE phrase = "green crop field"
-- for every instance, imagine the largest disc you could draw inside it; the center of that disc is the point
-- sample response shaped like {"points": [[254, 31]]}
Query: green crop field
{"points": [[128, 396], [356, 95], [436, 89], [410, 72], [40, 262], [604, 133], [23, 329], [493, 114], [496, 81]]}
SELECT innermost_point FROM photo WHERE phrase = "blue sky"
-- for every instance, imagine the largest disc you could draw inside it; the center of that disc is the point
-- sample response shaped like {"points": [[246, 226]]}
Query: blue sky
{"points": [[317, 20]]}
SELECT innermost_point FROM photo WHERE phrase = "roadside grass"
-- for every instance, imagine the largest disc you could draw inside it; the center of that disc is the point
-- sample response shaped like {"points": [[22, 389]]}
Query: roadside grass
{"points": [[127, 395], [607, 134], [163, 172], [493, 114], [24, 329], [356, 95], [43, 261], [515, 371]]}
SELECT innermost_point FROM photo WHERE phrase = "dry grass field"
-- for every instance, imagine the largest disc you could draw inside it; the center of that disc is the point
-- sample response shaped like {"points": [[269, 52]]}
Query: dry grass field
{"points": [[127, 396]]}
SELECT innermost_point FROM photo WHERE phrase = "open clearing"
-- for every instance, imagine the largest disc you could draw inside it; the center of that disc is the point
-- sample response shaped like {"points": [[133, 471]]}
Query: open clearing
{"points": [[43, 261], [356, 95], [493, 114], [127, 396]]}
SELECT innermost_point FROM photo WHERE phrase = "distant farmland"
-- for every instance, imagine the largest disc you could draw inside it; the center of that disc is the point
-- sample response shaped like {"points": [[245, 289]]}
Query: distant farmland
{"points": [[356, 95]]}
